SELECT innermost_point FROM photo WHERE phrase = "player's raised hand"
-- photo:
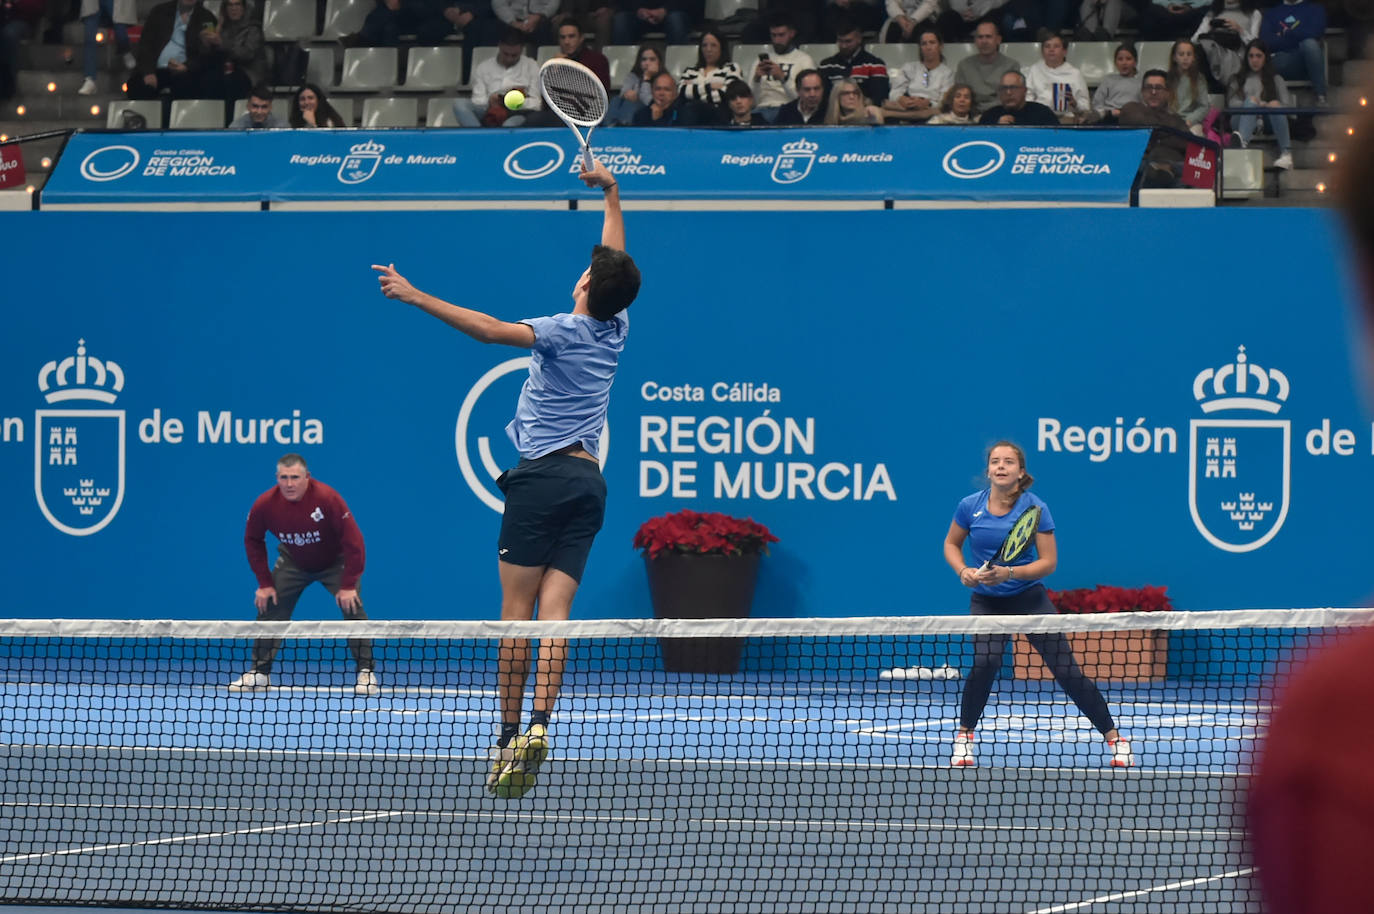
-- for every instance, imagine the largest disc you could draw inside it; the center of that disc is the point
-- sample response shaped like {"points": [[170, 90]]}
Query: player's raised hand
{"points": [[394, 285], [599, 176]]}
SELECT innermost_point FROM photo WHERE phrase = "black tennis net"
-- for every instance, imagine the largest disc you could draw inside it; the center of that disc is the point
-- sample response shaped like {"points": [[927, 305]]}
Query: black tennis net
{"points": [[739, 766]]}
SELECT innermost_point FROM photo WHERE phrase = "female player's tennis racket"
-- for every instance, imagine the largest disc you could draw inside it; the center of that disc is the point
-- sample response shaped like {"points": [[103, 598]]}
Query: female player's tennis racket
{"points": [[1018, 540], [575, 95]]}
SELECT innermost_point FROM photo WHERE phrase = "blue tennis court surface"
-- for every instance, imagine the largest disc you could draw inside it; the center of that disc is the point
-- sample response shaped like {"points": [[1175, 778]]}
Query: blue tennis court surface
{"points": [[759, 793]]}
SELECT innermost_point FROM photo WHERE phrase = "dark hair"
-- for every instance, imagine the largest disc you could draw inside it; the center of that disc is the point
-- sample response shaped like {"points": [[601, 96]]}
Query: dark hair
{"points": [[325, 114], [659, 75], [262, 91], [1269, 90], [1026, 478], [614, 282], [737, 88], [845, 26], [291, 460], [638, 70], [796, 80], [572, 21], [1154, 72], [1128, 48], [724, 47], [780, 18], [511, 38], [947, 103], [992, 21]]}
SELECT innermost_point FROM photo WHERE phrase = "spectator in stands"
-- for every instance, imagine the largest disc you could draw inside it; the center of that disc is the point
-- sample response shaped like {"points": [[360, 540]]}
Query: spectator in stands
{"points": [[703, 85], [1222, 36], [259, 115], [1261, 87], [983, 71], [809, 105], [593, 17], [739, 106], [1293, 30], [1119, 88], [120, 14], [235, 54], [1168, 20], [852, 61], [867, 15], [1028, 20], [1057, 84], [632, 19], [1188, 85], [963, 17], [908, 19], [170, 50], [1014, 108], [532, 18], [666, 109], [957, 108], [471, 17], [775, 73], [18, 20], [1163, 162], [1099, 20], [573, 46], [493, 78], [919, 87], [310, 108], [637, 91], [390, 19], [849, 106]]}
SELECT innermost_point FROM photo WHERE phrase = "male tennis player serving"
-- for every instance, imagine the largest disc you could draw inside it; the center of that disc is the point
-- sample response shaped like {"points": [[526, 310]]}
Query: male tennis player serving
{"points": [[985, 518], [555, 495]]}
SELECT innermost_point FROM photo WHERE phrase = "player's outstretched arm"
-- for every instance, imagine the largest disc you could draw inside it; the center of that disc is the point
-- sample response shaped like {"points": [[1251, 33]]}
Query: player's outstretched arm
{"points": [[613, 228], [481, 327]]}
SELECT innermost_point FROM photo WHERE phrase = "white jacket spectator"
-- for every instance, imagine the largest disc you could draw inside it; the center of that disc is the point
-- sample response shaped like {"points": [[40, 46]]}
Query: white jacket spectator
{"points": [[916, 80], [490, 78], [1046, 85], [511, 11]]}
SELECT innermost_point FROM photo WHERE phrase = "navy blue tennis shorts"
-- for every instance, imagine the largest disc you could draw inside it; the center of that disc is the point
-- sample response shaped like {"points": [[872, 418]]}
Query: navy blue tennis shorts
{"points": [[554, 507]]}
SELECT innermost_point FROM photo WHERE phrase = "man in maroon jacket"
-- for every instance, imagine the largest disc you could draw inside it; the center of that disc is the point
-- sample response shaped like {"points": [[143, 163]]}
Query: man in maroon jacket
{"points": [[317, 540]]}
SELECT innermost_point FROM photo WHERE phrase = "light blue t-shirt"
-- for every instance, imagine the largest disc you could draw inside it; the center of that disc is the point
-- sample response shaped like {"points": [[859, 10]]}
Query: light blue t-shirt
{"points": [[175, 48], [572, 367], [986, 531]]}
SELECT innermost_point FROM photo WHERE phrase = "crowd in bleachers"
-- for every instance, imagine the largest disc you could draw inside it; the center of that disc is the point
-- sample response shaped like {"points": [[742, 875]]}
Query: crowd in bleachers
{"points": [[698, 62]]}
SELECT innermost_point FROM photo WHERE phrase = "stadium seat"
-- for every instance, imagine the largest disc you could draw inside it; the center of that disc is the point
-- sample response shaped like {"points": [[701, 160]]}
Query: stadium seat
{"points": [[288, 20], [1026, 53], [433, 69], [368, 69], [679, 57], [344, 17], [345, 108], [440, 113], [622, 61], [196, 114], [385, 111], [319, 67], [1153, 55], [281, 107], [1242, 173], [956, 51], [479, 54], [1094, 59], [897, 53], [149, 109], [720, 10], [546, 52]]}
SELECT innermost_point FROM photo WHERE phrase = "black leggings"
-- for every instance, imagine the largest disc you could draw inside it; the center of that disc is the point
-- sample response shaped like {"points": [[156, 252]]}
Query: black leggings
{"points": [[988, 651]]}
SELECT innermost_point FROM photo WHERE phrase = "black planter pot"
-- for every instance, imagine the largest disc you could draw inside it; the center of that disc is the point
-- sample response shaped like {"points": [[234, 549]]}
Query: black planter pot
{"points": [[686, 586]]}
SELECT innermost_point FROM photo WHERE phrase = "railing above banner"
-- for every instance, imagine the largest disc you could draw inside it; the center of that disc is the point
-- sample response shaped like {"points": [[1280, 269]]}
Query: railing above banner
{"points": [[849, 167]]}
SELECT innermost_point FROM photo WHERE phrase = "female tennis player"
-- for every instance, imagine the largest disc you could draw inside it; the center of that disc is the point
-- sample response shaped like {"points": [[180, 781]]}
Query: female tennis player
{"points": [[984, 519], [555, 495]]}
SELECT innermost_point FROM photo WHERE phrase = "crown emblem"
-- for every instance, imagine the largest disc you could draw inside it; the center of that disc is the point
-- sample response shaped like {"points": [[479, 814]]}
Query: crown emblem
{"points": [[369, 148], [800, 147], [81, 377], [1240, 385]]}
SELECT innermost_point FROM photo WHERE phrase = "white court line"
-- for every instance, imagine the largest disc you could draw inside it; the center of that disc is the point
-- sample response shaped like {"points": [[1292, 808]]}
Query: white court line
{"points": [[182, 839], [1119, 896]]}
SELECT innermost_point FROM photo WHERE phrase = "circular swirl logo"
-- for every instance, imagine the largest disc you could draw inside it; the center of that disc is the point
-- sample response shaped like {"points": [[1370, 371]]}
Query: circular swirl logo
{"points": [[542, 159], [987, 155], [109, 163]]}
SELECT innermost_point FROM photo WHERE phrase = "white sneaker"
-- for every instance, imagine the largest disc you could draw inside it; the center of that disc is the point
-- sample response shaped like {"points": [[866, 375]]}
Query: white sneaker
{"points": [[367, 684], [88, 87], [963, 750], [1284, 161], [129, 60], [250, 681], [1121, 753]]}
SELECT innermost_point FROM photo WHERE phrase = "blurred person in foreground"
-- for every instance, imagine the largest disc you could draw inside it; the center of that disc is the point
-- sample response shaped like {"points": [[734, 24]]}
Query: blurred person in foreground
{"points": [[1311, 808]]}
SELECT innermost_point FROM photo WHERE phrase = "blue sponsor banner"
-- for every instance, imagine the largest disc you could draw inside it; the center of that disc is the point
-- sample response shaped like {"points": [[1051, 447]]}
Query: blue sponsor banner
{"points": [[892, 163], [1205, 449]]}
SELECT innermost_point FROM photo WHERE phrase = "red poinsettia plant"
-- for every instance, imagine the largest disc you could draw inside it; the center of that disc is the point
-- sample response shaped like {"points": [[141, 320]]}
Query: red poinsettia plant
{"points": [[1104, 599], [702, 534]]}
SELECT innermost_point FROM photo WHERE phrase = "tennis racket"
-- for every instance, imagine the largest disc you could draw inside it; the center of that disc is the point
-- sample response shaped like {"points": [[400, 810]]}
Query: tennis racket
{"points": [[1018, 540], [576, 96]]}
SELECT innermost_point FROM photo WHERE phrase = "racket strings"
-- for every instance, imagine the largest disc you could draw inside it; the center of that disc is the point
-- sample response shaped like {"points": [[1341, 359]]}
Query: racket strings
{"points": [[575, 93]]}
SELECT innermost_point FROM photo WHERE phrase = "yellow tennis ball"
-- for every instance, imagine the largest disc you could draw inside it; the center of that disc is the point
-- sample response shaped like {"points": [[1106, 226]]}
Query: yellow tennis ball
{"points": [[515, 99]]}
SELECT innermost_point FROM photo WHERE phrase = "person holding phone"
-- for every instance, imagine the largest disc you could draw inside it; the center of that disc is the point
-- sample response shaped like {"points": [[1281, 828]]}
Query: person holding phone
{"points": [[774, 75], [983, 520]]}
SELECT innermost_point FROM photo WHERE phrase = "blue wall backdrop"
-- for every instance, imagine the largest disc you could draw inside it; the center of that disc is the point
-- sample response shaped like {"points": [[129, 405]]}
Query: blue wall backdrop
{"points": [[836, 376]]}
